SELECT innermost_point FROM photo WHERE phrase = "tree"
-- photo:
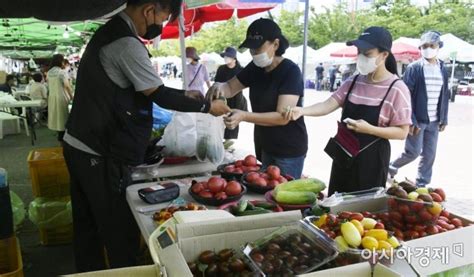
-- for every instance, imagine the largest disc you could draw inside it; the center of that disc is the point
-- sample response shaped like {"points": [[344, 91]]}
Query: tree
{"points": [[291, 26]]}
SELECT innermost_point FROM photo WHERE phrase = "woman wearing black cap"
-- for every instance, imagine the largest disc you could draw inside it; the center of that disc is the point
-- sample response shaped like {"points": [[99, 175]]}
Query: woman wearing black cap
{"points": [[275, 83], [376, 107], [224, 73]]}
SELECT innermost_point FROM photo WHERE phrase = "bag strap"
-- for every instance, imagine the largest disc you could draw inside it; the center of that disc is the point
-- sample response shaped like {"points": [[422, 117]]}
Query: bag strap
{"points": [[388, 91], [195, 75], [348, 92]]}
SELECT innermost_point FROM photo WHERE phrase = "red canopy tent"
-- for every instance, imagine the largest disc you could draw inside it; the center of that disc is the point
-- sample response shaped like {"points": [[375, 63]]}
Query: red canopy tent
{"points": [[400, 50], [195, 18]]}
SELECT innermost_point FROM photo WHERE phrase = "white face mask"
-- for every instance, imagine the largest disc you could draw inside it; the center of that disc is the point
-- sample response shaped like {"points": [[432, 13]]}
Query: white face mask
{"points": [[262, 60], [189, 60], [366, 65], [228, 60], [429, 53]]}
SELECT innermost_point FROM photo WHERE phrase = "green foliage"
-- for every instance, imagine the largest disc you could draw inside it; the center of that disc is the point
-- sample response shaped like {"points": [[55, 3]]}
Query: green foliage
{"points": [[339, 25]]}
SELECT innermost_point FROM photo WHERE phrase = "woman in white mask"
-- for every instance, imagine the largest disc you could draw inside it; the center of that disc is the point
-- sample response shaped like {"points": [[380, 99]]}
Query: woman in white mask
{"points": [[274, 83], [375, 106], [225, 72]]}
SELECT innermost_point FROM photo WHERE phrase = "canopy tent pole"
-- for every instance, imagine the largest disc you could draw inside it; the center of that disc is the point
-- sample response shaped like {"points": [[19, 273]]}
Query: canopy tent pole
{"points": [[182, 47], [305, 38], [452, 71]]}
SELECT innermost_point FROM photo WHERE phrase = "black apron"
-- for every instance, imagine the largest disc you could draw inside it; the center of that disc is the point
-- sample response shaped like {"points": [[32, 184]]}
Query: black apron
{"points": [[370, 167]]}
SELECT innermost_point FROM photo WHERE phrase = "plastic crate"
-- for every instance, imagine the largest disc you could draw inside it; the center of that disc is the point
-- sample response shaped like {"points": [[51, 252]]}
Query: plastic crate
{"points": [[11, 264], [48, 172], [55, 236]]}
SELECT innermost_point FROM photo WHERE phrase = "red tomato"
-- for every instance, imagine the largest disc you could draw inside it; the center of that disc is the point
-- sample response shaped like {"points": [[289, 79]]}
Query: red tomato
{"points": [[251, 177], [250, 160], [282, 180], [404, 209], [397, 224], [419, 227], [357, 216], [238, 171], [344, 215], [331, 234], [392, 203], [425, 215], [398, 233], [441, 193], [197, 188], [417, 205], [411, 234], [260, 182], [229, 168], [422, 234], [367, 214], [239, 163], [233, 188], [395, 216], [445, 219], [411, 218], [332, 220], [273, 172], [273, 183], [206, 194], [264, 176], [379, 225], [216, 184], [445, 213], [436, 197], [221, 195]]}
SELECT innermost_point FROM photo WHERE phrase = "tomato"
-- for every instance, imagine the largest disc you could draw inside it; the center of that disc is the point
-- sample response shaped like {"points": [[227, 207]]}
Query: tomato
{"points": [[206, 194], [398, 234], [395, 216], [238, 171], [425, 216], [367, 214], [419, 227], [441, 229], [216, 184], [331, 234], [197, 188], [403, 209], [411, 218], [411, 234], [233, 188], [397, 224], [450, 227], [422, 234], [432, 230], [384, 216], [250, 160], [260, 182], [457, 222], [251, 177], [442, 224], [332, 220], [392, 203], [344, 215], [220, 195], [356, 216], [273, 183], [282, 180], [379, 225], [445, 213], [239, 163], [436, 197], [273, 172], [417, 205]]}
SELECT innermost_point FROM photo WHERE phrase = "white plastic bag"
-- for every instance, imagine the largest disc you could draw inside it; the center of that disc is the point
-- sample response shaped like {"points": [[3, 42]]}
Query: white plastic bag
{"points": [[210, 133], [180, 136]]}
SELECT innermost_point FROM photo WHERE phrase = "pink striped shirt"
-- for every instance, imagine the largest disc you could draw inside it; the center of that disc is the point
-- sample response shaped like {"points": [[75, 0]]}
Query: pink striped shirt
{"points": [[396, 109]]}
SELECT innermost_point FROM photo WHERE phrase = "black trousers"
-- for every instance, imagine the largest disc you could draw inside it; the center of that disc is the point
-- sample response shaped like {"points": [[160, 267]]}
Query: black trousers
{"points": [[101, 215]]}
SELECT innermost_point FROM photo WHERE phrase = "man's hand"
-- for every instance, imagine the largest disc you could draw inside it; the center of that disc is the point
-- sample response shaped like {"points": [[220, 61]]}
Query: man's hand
{"points": [[232, 121], [292, 113], [216, 91], [442, 127], [219, 107], [414, 130], [195, 94]]}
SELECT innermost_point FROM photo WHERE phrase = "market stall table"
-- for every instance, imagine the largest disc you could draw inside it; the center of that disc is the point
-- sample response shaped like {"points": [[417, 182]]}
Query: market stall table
{"points": [[190, 167], [27, 115], [143, 212]]}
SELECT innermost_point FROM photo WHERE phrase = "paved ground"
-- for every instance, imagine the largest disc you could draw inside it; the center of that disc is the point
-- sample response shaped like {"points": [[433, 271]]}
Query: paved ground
{"points": [[453, 171]]}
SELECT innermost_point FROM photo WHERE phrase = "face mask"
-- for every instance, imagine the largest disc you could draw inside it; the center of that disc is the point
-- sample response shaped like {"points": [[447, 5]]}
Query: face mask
{"points": [[262, 60], [153, 30], [189, 60], [429, 53], [228, 60], [366, 65]]}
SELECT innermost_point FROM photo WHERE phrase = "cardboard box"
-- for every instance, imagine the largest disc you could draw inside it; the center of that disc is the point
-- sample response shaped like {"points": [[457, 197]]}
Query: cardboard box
{"points": [[138, 271], [458, 244], [355, 270], [184, 242]]}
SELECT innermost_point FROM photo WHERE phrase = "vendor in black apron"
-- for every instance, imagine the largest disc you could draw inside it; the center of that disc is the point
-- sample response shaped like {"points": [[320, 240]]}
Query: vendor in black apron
{"points": [[375, 106]]}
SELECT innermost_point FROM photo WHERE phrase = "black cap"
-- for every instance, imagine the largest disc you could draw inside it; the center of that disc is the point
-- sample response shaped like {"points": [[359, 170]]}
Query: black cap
{"points": [[373, 37], [262, 30], [229, 52]]}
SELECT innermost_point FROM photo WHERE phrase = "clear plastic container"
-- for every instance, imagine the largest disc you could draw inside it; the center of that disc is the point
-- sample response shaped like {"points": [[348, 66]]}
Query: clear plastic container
{"points": [[412, 212], [356, 196], [295, 249]]}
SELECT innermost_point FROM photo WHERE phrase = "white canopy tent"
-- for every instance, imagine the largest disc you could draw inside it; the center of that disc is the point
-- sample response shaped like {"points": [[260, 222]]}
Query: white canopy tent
{"points": [[456, 48]]}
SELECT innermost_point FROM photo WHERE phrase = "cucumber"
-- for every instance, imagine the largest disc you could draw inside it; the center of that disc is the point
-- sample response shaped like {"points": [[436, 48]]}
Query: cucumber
{"points": [[309, 185], [250, 206], [295, 197], [255, 212], [265, 205], [242, 206]]}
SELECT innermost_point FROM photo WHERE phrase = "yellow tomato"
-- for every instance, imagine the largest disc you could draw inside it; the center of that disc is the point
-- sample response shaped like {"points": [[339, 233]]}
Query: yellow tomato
{"points": [[370, 243]]}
